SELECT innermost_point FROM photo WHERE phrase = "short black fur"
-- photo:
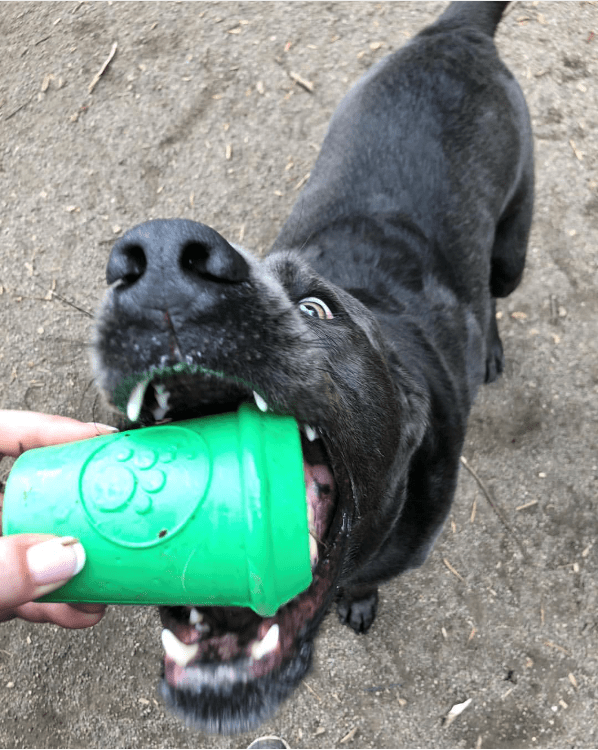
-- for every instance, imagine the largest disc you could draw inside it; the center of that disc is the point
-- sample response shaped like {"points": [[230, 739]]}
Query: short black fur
{"points": [[414, 219]]}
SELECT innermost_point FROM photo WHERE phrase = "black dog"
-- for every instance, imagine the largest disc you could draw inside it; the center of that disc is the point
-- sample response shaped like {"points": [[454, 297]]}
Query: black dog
{"points": [[372, 322]]}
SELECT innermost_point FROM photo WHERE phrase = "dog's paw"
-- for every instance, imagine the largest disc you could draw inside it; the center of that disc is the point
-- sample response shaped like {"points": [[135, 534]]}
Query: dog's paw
{"points": [[495, 362], [495, 358], [358, 608]]}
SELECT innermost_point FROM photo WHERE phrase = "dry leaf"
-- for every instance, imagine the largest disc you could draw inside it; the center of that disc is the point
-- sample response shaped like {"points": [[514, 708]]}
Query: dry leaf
{"points": [[46, 81], [455, 711], [576, 151]]}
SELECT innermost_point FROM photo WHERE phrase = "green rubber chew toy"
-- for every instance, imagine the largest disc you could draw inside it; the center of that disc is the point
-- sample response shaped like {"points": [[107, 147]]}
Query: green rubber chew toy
{"points": [[206, 512]]}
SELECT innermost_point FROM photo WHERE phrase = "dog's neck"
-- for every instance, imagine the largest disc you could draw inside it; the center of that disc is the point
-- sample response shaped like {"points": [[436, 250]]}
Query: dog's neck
{"points": [[391, 266]]}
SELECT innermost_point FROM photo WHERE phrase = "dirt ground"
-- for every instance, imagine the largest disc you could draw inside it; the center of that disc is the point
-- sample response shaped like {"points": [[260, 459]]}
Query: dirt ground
{"points": [[215, 112]]}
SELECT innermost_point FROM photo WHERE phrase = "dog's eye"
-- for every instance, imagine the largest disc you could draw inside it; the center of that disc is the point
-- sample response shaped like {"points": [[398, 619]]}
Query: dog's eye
{"points": [[316, 308]]}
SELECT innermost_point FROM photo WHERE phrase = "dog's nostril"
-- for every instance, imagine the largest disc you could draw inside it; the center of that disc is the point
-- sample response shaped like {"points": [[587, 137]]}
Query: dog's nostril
{"points": [[194, 258], [213, 260], [137, 263], [127, 265]]}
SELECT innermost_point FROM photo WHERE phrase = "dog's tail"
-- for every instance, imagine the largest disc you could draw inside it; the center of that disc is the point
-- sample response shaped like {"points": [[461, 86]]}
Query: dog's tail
{"points": [[483, 15]]}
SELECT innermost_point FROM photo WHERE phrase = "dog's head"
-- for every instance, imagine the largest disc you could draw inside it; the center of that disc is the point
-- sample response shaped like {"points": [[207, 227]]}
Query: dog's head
{"points": [[192, 326]]}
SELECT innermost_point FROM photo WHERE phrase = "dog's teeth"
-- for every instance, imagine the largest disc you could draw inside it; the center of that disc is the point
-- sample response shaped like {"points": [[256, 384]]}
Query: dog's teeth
{"points": [[196, 619], [310, 433], [180, 653], [311, 517], [159, 413], [136, 400], [162, 395], [260, 402], [313, 551], [267, 644]]}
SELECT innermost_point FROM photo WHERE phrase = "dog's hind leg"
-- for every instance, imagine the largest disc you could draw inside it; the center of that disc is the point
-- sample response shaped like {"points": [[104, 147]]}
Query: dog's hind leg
{"points": [[495, 358], [510, 245], [506, 269], [357, 606]]}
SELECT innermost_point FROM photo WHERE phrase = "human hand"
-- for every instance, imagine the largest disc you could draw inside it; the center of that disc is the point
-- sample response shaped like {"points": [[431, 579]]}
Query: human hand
{"points": [[32, 565]]}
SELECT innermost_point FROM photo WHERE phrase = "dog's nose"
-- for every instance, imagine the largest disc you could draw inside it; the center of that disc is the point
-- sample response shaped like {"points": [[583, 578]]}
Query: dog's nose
{"points": [[172, 262]]}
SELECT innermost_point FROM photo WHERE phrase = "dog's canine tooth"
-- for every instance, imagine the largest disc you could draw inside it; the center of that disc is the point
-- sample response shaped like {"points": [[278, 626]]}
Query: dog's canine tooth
{"points": [[159, 413], [267, 644], [162, 397], [196, 619], [311, 517], [180, 653], [260, 402], [310, 433], [313, 551], [135, 401]]}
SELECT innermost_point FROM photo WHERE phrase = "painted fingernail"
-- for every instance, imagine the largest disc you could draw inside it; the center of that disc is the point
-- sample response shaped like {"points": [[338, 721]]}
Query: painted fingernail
{"points": [[55, 560]]}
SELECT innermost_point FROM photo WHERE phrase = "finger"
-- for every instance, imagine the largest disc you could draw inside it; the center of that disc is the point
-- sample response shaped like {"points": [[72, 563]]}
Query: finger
{"points": [[65, 615], [23, 430], [88, 608], [32, 565]]}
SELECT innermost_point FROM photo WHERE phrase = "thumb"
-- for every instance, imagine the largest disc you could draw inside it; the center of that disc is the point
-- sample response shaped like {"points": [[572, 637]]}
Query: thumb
{"points": [[32, 565]]}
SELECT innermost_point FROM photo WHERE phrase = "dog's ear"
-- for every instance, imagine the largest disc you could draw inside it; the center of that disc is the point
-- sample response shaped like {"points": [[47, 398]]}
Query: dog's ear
{"points": [[414, 404]]}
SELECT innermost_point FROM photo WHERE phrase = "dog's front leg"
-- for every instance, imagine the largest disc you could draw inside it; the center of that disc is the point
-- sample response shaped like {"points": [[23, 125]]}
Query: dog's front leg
{"points": [[357, 606]]}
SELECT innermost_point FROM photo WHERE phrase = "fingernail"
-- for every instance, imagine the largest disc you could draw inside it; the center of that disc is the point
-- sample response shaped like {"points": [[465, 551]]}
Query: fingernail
{"points": [[55, 560], [103, 428]]}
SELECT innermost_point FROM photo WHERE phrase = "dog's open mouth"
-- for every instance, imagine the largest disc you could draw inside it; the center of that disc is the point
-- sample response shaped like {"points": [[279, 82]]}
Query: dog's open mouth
{"points": [[216, 647]]}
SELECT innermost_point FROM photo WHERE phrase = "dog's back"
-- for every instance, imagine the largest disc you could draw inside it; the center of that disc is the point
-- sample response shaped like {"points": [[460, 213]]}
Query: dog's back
{"points": [[420, 205], [433, 190]]}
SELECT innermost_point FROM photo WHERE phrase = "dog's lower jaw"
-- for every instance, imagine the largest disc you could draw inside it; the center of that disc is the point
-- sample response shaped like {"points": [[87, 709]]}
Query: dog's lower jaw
{"points": [[216, 692], [238, 706]]}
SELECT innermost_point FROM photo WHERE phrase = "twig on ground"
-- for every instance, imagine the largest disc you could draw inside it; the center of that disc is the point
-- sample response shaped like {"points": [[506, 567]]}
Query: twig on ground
{"points": [[102, 70], [453, 571], [495, 508], [18, 109], [311, 690], [53, 293], [303, 82]]}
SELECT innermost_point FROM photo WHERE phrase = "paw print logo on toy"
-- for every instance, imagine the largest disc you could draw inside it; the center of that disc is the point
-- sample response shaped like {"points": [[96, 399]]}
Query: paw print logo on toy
{"points": [[134, 478], [142, 495]]}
